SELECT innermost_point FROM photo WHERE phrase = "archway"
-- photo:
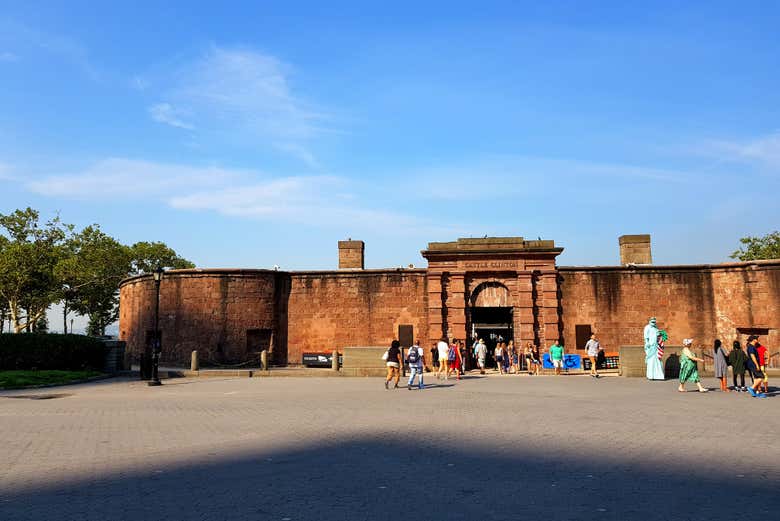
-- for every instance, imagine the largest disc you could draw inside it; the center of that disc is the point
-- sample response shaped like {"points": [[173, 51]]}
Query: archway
{"points": [[491, 315]]}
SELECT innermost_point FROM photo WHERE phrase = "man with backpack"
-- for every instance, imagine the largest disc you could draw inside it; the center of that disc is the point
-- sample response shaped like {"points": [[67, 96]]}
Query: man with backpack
{"points": [[415, 360]]}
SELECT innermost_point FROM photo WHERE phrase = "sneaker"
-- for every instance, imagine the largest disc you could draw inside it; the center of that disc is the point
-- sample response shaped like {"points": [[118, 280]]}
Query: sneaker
{"points": [[409, 387], [387, 384], [744, 389]]}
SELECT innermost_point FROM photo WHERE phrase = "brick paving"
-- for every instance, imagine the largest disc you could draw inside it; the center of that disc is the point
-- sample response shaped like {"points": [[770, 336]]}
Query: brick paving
{"points": [[511, 447]]}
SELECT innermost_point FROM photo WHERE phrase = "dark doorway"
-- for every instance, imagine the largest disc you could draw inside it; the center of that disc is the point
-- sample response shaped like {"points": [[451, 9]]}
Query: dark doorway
{"points": [[406, 335], [493, 325], [582, 332]]}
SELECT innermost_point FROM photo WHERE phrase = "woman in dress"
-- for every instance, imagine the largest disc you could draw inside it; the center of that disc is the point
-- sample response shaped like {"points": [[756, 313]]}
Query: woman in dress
{"points": [[512, 362], [454, 358], [721, 366], [738, 359], [536, 360], [688, 370], [499, 355]]}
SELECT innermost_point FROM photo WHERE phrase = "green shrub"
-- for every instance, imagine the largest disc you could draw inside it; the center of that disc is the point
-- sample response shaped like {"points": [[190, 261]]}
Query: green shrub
{"points": [[50, 351]]}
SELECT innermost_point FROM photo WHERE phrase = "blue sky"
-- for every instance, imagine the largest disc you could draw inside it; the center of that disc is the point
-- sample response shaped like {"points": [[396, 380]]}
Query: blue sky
{"points": [[260, 133]]}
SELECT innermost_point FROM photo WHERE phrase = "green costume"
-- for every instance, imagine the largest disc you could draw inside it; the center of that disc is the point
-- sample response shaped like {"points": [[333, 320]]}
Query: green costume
{"points": [[688, 370]]}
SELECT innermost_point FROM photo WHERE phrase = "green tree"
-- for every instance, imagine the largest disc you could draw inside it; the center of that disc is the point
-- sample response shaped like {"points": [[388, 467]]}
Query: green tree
{"points": [[29, 254], [759, 248], [147, 256], [90, 276]]}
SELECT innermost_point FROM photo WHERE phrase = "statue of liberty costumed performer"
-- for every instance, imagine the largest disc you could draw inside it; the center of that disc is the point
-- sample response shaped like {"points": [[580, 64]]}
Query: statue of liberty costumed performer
{"points": [[652, 355]]}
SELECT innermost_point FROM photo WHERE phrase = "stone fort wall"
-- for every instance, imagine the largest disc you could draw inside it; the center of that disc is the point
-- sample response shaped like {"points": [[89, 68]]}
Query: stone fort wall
{"points": [[331, 310], [726, 301], [230, 315], [224, 314]]}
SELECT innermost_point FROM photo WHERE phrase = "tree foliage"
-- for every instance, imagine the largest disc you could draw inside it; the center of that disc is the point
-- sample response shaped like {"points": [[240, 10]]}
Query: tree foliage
{"points": [[759, 248], [29, 254], [41, 264], [147, 256]]}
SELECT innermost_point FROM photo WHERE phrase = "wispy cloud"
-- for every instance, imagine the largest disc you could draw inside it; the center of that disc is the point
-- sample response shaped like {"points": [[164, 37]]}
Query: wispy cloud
{"points": [[763, 151], [131, 179], [241, 93], [500, 177], [7, 56], [320, 201], [63, 47], [139, 83], [5, 171], [164, 113]]}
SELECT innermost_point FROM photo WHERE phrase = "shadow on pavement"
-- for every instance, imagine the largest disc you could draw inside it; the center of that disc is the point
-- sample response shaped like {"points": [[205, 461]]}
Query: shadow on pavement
{"points": [[380, 479]]}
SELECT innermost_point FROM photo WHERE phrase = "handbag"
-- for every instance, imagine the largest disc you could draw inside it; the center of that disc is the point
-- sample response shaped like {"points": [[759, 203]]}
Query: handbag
{"points": [[384, 356]]}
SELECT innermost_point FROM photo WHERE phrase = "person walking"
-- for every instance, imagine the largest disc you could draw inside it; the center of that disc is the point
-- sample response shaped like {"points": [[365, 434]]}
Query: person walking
{"points": [[556, 357], [763, 361], [509, 352], [415, 360], [464, 357], [481, 354], [721, 364], [738, 359], [443, 350], [514, 366], [688, 370], [498, 353], [536, 359], [454, 359], [394, 364], [434, 358], [593, 346], [754, 366], [527, 355]]}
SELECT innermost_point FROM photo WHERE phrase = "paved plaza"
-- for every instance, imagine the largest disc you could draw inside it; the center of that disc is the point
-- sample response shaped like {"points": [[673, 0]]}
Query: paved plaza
{"points": [[495, 447]]}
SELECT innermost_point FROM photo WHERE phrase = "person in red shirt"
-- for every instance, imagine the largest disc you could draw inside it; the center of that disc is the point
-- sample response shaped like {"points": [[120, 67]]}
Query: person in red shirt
{"points": [[762, 360]]}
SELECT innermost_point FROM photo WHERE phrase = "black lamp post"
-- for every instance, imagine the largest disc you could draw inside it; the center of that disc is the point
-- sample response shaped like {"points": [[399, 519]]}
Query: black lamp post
{"points": [[157, 347]]}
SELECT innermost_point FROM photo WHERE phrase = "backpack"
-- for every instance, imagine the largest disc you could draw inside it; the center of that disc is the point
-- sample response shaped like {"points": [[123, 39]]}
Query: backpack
{"points": [[451, 355], [414, 355]]}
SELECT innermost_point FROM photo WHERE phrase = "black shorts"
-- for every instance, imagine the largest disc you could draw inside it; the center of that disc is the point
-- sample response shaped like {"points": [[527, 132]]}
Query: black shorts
{"points": [[757, 373]]}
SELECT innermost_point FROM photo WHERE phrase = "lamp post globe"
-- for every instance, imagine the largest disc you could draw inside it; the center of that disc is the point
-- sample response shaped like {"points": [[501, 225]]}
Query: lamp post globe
{"points": [[157, 274]]}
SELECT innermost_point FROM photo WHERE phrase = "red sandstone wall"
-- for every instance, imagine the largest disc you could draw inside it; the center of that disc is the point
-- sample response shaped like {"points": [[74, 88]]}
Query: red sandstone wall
{"points": [[703, 303], [205, 311], [331, 310]]}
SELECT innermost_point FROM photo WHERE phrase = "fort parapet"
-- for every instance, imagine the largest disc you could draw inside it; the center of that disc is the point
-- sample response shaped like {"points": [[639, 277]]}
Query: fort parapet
{"points": [[501, 287]]}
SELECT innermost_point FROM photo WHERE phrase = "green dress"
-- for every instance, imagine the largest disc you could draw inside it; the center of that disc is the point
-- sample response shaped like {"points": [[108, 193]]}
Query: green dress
{"points": [[688, 370]]}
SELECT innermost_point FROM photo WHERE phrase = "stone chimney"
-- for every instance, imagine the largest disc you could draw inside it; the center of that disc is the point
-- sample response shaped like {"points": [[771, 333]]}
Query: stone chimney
{"points": [[351, 255], [635, 249]]}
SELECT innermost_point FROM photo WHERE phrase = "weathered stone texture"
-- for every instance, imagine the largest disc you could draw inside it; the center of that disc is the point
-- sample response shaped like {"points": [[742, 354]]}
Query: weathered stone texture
{"points": [[700, 302], [635, 249], [217, 311], [351, 255], [206, 311], [331, 310]]}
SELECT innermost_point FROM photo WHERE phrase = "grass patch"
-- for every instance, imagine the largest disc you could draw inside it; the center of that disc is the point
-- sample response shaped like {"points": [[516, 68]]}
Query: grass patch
{"points": [[19, 379]]}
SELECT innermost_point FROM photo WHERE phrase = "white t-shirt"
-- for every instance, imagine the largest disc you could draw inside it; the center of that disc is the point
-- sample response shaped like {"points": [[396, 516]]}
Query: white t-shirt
{"points": [[443, 349], [593, 347], [481, 351]]}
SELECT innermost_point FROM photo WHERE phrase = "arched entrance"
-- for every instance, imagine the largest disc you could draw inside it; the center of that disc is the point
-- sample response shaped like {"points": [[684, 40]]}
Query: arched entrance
{"points": [[491, 315]]}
